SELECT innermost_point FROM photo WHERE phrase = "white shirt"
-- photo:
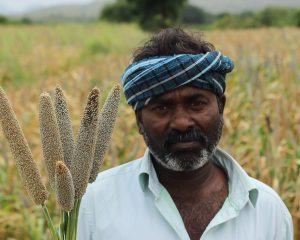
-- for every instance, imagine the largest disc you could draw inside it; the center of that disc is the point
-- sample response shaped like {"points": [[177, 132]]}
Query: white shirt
{"points": [[129, 203]]}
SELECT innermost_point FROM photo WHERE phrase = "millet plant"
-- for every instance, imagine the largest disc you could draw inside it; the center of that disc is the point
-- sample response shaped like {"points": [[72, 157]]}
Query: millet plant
{"points": [[70, 165]]}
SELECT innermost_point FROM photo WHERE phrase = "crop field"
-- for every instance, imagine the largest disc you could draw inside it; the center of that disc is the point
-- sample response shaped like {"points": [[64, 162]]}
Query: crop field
{"points": [[262, 116]]}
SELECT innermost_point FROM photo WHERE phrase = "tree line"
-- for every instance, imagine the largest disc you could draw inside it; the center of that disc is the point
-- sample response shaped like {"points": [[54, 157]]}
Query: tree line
{"points": [[6, 20], [154, 14]]}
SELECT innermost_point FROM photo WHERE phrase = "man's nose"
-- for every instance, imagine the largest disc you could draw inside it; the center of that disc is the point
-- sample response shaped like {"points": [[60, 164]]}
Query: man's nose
{"points": [[181, 120]]}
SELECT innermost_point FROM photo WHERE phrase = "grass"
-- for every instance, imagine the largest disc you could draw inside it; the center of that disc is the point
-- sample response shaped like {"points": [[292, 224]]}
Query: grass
{"points": [[262, 116]]}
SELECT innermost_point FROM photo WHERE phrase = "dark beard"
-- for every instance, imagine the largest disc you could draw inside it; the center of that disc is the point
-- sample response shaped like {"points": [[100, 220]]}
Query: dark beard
{"points": [[191, 159]]}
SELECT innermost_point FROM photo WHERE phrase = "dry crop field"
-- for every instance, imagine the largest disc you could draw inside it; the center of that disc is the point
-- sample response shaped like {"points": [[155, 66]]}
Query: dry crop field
{"points": [[262, 118]]}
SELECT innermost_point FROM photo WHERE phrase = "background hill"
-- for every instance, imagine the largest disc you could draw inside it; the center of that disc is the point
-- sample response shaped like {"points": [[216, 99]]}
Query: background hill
{"points": [[237, 6], [75, 12]]}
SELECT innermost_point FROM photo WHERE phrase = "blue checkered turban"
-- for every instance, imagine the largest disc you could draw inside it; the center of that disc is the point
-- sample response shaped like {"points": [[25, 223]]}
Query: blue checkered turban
{"points": [[148, 78]]}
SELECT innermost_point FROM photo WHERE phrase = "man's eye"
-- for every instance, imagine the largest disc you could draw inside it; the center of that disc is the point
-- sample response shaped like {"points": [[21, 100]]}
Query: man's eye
{"points": [[160, 108], [198, 103]]}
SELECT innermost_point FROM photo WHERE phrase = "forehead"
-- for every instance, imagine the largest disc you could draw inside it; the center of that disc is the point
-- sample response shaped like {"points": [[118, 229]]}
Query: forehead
{"points": [[184, 92]]}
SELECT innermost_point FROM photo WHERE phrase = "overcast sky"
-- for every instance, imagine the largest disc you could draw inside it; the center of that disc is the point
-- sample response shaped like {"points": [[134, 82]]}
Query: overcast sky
{"points": [[19, 6]]}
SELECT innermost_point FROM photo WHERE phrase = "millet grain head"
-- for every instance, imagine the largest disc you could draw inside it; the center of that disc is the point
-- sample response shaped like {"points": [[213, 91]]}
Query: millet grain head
{"points": [[65, 126], [107, 121], [51, 143], [85, 147], [26, 166], [64, 187]]}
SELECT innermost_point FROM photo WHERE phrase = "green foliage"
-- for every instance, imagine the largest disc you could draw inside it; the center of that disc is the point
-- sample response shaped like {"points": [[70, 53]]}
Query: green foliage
{"points": [[297, 18], [155, 14], [26, 21], [150, 14], [6, 20], [121, 11], [243, 20], [276, 16], [195, 15], [226, 20], [3, 20], [269, 17]]}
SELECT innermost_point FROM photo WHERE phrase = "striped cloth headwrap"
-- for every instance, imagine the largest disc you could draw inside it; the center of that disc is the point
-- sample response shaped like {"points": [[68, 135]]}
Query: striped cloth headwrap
{"points": [[148, 78]]}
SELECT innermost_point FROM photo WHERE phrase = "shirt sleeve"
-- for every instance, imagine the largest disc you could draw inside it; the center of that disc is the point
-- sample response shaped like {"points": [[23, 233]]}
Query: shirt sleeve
{"points": [[283, 224], [289, 232]]}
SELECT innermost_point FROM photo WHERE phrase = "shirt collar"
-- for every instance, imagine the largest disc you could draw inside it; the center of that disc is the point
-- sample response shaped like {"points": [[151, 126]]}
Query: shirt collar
{"points": [[147, 175], [241, 189]]}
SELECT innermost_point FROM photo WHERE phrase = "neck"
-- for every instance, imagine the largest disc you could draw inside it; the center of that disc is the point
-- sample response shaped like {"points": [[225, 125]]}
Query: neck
{"points": [[196, 181]]}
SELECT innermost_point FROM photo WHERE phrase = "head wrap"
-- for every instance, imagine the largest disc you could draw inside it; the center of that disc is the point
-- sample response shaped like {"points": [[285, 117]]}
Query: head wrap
{"points": [[150, 77]]}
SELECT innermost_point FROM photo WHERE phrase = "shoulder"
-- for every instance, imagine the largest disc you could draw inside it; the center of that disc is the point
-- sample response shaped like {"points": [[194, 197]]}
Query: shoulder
{"points": [[111, 181], [266, 197], [115, 176], [119, 171], [267, 193], [269, 201], [272, 210], [107, 190]]}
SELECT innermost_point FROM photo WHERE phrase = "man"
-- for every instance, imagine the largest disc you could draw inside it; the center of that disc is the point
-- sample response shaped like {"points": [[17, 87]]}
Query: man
{"points": [[184, 187]]}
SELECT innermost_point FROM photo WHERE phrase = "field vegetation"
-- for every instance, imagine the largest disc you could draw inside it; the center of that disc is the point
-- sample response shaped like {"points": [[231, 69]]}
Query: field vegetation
{"points": [[262, 116]]}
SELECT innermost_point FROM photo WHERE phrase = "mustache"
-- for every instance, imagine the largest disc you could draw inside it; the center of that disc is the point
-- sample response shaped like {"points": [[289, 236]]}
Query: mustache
{"points": [[191, 135]]}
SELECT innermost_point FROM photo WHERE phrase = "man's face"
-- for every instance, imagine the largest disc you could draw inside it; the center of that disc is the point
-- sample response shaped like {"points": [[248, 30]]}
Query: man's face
{"points": [[182, 127]]}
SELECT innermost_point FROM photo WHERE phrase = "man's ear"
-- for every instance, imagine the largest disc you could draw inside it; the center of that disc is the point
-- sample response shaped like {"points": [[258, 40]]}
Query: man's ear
{"points": [[221, 103]]}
